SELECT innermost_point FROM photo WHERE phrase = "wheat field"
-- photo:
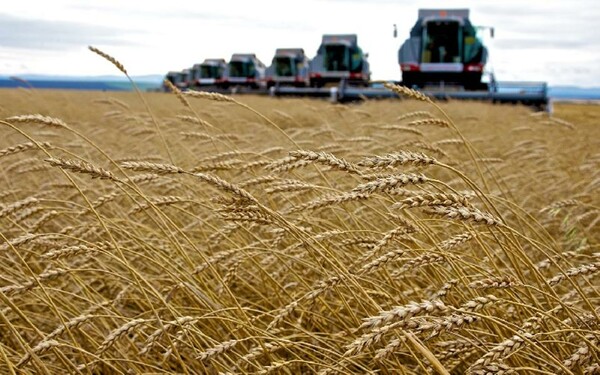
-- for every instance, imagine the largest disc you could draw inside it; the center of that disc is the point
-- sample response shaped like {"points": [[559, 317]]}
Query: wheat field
{"points": [[163, 233]]}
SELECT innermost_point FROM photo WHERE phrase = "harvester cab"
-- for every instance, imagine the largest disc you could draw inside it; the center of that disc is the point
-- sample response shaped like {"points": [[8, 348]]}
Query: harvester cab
{"points": [[175, 77], [290, 67], [443, 47], [210, 72], [186, 79], [245, 69], [339, 58]]}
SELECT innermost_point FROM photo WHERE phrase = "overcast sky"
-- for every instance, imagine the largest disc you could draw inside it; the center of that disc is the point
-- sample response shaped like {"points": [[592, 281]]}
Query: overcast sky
{"points": [[552, 40]]}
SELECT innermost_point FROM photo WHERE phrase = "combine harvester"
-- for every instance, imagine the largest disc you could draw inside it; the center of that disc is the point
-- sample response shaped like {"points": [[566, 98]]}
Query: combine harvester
{"points": [[178, 79], [443, 48], [290, 67], [339, 58], [245, 70], [445, 58], [210, 73]]}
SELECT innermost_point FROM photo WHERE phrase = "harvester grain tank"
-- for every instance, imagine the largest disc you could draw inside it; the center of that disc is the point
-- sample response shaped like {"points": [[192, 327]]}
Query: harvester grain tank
{"points": [[443, 47], [339, 58], [245, 69], [209, 73], [290, 67]]}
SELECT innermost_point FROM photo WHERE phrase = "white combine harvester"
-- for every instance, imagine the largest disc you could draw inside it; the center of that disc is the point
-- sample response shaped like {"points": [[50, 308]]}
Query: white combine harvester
{"points": [[444, 57], [290, 67]]}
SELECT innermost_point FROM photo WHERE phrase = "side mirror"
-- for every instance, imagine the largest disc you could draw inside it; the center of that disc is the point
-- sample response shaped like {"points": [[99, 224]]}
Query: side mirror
{"points": [[395, 31]]}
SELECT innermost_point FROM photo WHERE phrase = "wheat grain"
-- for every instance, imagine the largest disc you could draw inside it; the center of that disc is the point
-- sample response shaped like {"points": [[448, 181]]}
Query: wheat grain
{"points": [[388, 257], [423, 260], [38, 119], [155, 336], [81, 166], [397, 158], [326, 159], [433, 199], [402, 128], [123, 330], [582, 355], [391, 182], [216, 350], [17, 206], [27, 213], [19, 241], [151, 167], [376, 334], [71, 251], [587, 269], [430, 121], [403, 313], [22, 147], [405, 91], [464, 213], [210, 96], [194, 120], [39, 349], [414, 114], [111, 59], [496, 282], [502, 350], [177, 93], [493, 369]]}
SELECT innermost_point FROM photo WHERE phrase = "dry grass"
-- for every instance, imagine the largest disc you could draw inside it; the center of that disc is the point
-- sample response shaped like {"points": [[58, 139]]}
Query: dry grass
{"points": [[261, 235]]}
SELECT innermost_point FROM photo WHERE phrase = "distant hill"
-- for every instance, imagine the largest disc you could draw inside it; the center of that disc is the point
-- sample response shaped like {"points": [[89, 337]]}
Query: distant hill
{"points": [[105, 83], [574, 92], [105, 78], [154, 81]]}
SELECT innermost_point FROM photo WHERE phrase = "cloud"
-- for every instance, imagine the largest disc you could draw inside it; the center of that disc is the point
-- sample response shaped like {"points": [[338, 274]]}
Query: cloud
{"points": [[23, 33]]}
